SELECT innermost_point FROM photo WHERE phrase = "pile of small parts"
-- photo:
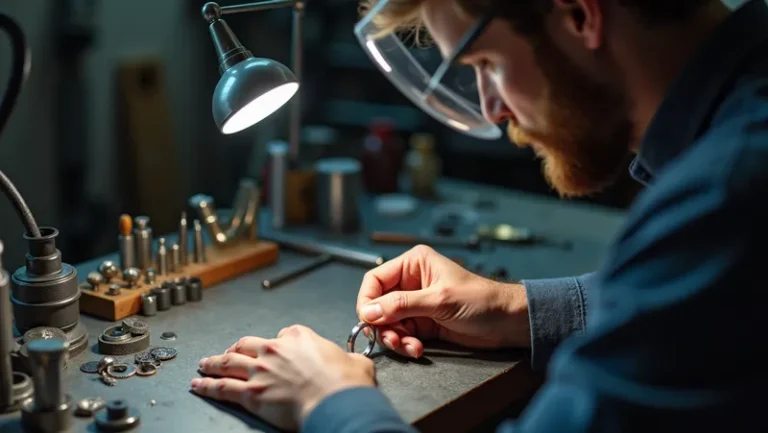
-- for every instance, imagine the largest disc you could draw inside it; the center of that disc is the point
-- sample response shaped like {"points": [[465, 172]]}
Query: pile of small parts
{"points": [[147, 363]]}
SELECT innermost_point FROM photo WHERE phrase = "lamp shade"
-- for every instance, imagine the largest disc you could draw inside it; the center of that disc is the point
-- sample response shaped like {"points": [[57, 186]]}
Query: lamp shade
{"points": [[249, 91]]}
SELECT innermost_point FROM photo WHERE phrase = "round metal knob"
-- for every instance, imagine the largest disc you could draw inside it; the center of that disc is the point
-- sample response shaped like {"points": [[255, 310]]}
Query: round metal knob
{"points": [[131, 276], [94, 279], [108, 269], [211, 12]]}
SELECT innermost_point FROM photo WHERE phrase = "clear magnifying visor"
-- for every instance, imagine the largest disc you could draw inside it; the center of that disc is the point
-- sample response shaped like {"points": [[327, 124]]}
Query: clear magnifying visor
{"points": [[451, 96]]}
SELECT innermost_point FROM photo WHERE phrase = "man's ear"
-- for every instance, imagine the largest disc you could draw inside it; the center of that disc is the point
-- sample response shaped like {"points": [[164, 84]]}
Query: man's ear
{"points": [[583, 19]]}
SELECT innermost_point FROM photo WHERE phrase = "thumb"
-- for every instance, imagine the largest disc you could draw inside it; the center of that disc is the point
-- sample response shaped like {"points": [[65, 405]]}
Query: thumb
{"points": [[396, 306]]}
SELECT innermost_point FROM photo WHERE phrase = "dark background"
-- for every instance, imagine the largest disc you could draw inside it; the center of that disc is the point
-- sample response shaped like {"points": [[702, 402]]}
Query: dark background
{"points": [[62, 146]]}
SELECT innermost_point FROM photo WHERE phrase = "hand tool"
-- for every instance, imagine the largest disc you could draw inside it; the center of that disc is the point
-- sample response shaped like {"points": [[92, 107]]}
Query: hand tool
{"points": [[149, 304], [178, 293], [117, 417], [183, 240], [297, 271], [163, 294], [131, 276], [473, 243], [198, 246], [162, 257], [356, 257], [194, 289], [108, 269], [243, 223], [142, 234], [278, 171], [125, 242], [10, 392], [151, 275], [50, 409], [94, 279], [174, 263], [339, 185]]}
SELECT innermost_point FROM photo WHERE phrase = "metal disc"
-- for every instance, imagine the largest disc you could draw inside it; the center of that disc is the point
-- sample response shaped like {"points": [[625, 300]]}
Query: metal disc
{"points": [[143, 357], [168, 335], [135, 326], [146, 370], [44, 333], [121, 370], [164, 353], [90, 367]]}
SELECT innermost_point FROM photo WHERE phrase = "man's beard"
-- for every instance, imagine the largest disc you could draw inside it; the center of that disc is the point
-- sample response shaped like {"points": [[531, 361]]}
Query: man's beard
{"points": [[585, 141]]}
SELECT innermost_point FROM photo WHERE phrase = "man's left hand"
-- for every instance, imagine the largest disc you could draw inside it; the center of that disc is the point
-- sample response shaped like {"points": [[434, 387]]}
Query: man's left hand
{"points": [[281, 380]]}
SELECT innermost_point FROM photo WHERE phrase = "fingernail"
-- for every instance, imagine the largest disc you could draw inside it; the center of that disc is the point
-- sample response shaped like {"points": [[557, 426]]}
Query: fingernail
{"points": [[202, 362], [388, 343], [371, 312], [194, 383], [410, 350]]}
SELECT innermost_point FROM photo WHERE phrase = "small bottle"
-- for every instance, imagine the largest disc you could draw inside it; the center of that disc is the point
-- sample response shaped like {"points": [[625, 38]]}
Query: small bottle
{"points": [[382, 158], [424, 166]]}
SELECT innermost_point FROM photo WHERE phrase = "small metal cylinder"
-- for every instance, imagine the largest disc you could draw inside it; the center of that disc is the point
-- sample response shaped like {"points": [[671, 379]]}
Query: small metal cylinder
{"points": [[174, 264], [162, 257], [126, 247], [142, 234], [339, 185], [278, 157], [183, 240], [199, 246], [149, 304], [6, 339], [179, 293], [163, 294], [151, 275], [47, 359], [194, 289]]}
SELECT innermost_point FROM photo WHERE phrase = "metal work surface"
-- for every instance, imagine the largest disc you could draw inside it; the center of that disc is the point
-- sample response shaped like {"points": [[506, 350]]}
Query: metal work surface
{"points": [[324, 300]]}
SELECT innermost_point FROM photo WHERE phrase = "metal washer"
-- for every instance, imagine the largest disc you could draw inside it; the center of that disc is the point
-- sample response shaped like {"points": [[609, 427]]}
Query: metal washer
{"points": [[121, 370], [164, 353], [115, 334], [90, 367], [353, 336], [146, 369]]}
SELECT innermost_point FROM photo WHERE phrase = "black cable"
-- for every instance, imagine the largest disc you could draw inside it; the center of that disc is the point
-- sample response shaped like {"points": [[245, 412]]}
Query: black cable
{"points": [[20, 64]]}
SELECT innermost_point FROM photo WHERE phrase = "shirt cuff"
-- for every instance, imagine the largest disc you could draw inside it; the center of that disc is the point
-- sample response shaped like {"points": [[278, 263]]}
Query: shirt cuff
{"points": [[355, 410], [556, 309]]}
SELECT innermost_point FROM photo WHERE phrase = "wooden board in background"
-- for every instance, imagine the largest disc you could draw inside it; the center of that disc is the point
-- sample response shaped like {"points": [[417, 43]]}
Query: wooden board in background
{"points": [[223, 264]]}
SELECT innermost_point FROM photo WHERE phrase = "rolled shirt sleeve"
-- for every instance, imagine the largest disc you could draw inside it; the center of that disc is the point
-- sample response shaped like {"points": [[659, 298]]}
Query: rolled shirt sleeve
{"points": [[557, 308]]}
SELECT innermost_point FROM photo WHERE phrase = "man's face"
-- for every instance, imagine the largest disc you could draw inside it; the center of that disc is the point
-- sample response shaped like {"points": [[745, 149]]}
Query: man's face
{"points": [[579, 127]]}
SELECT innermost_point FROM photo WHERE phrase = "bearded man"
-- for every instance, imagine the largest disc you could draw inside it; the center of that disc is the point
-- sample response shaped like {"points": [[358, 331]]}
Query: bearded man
{"points": [[665, 336]]}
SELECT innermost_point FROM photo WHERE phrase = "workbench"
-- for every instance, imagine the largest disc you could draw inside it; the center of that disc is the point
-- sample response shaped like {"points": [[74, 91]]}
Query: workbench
{"points": [[449, 389]]}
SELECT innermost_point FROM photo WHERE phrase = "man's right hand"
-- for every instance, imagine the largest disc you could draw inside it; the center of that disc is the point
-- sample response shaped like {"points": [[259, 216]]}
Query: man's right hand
{"points": [[423, 295]]}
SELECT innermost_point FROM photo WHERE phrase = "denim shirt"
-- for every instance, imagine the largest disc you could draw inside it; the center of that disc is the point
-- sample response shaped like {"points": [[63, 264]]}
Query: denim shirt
{"points": [[671, 338]]}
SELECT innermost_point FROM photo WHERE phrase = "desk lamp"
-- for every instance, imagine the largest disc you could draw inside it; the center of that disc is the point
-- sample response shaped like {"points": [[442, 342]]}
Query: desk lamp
{"points": [[251, 88]]}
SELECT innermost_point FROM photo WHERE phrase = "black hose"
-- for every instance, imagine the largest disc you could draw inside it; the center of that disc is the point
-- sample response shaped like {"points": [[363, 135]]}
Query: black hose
{"points": [[20, 64]]}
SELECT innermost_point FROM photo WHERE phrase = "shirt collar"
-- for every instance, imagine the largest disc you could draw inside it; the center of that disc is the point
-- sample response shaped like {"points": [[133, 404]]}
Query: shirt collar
{"points": [[692, 98]]}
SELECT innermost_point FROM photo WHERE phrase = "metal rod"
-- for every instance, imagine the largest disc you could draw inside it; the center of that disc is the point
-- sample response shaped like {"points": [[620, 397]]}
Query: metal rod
{"points": [[298, 271], [297, 55], [361, 258], [257, 6], [6, 338]]}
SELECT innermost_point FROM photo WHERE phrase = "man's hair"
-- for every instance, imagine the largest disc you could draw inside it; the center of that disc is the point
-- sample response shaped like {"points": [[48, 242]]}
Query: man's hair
{"points": [[527, 16]]}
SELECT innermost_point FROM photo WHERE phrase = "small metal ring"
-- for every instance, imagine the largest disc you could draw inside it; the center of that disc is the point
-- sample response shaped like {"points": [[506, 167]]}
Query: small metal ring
{"points": [[353, 336], [107, 335]]}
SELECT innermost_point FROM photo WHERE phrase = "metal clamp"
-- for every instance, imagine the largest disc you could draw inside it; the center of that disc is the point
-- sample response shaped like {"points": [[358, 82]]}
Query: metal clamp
{"points": [[353, 336]]}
